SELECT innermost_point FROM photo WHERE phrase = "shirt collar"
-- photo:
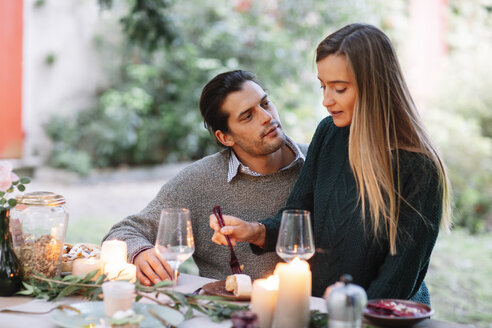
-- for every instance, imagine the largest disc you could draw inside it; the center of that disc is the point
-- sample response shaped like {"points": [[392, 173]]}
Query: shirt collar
{"points": [[235, 165]]}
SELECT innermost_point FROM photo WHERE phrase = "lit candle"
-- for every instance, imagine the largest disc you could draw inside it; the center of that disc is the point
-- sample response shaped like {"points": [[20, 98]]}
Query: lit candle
{"points": [[81, 267], [263, 299], [113, 251], [120, 271], [292, 309]]}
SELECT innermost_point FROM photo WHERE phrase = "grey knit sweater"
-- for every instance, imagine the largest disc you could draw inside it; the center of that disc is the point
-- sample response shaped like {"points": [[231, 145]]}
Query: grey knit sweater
{"points": [[199, 187]]}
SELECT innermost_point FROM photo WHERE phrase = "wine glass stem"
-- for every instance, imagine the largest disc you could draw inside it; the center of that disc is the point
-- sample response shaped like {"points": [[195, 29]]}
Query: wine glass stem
{"points": [[175, 276]]}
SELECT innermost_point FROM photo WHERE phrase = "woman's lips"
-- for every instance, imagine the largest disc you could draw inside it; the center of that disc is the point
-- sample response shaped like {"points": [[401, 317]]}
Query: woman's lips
{"points": [[336, 113]]}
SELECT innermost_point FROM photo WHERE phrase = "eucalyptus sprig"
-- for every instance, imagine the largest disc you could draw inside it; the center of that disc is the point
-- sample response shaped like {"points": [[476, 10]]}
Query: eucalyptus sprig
{"points": [[52, 289], [217, 308]]}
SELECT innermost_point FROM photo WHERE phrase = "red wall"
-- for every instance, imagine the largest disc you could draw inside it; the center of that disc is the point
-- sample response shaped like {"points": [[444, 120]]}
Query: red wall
{"points": [[11, 134]]}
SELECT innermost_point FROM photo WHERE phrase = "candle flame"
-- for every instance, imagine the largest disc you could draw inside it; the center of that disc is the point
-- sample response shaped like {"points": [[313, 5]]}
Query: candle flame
{"points": [[299, 264], [272, 282]]}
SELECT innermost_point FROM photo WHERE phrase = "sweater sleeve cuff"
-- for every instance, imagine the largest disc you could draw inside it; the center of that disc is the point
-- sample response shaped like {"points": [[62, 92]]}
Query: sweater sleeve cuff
{"points": [[271, 234], [133, 255]]}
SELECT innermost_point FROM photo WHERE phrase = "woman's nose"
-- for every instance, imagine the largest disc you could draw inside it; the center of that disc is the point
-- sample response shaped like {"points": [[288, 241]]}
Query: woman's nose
{"points": [[328, 100]]}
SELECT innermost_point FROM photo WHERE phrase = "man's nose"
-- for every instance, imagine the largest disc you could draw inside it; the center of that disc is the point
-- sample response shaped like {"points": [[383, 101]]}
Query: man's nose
{"points": [[265, 116]]}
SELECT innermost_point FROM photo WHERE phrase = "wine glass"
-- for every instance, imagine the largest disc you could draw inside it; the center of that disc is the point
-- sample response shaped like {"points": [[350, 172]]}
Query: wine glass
{"points": [[295, 237], [174, 242]]}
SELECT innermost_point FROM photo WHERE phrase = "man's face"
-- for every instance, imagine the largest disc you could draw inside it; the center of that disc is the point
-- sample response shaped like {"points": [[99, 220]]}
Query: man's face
{"points": [[254, 125]]}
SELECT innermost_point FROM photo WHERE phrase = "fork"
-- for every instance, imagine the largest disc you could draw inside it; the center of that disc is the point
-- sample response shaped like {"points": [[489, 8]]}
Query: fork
{"points": [[234, 262], [59, 307]]}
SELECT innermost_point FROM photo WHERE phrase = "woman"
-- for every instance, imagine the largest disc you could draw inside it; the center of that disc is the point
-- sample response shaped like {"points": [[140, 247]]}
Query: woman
{"points": [[373, 180]]}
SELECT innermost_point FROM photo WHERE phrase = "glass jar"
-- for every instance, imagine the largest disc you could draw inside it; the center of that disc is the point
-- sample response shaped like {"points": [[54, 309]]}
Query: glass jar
{"points": [[38, 225]]}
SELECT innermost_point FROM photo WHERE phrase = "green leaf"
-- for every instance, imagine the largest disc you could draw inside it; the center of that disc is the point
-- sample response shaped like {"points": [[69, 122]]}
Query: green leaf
{"points": [[181, 297], [100, 279], [318, 319], [12, 202], [3, 201], [24, 292], [25, 180], [163, 283], [189, 313], [90, 275], [67, 291], [71, 278], [14, 183], [21, 187], [2, 193]]}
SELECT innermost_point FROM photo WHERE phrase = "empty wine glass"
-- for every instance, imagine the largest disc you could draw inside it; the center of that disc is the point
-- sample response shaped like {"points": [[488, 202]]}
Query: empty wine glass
{"points": [[174, 242], [295, 237]]}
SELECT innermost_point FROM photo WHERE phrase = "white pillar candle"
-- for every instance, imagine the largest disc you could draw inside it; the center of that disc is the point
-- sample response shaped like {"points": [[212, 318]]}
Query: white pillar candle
{"points": [[118, 296], [294, 290], [81, 267], [120, 271], [114, 251], [263, 299]]}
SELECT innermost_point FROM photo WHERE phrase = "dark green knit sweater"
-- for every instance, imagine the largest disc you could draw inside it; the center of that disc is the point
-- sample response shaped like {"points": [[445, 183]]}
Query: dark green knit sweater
{"points": [[326, 186]]}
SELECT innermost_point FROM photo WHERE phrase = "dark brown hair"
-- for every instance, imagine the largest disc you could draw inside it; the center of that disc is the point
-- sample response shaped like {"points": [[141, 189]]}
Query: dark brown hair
{"points": [[214, 95]]}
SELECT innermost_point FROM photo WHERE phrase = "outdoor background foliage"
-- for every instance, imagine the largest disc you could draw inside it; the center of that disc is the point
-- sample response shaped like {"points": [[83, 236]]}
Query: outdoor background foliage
{"points": [[172, 48], [149, 114]]}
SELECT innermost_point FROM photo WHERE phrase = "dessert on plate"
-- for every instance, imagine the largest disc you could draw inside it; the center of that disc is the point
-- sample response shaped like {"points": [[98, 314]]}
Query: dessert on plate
{"points": [[239, 284], [77, 251]]}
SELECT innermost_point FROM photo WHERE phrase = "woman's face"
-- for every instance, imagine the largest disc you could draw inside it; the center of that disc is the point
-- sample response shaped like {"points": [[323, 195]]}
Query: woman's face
{"points": [[339, 89]]}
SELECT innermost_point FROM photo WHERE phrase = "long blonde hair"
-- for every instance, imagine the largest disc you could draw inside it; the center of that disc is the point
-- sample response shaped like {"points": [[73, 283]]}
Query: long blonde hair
{"points": [[385, 118]]}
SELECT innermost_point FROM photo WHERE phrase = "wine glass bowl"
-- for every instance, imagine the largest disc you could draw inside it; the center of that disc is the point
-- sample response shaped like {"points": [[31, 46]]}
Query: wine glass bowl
{"points": [[295, 237], [174, 243]]}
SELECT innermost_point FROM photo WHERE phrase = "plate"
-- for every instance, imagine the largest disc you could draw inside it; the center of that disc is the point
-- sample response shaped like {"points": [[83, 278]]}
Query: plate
{"points": [[93, 312], [217, 288], [383, 320]]}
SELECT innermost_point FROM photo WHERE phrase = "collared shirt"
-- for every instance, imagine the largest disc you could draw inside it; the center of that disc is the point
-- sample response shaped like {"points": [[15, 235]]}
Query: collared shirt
{"points": [[236, 166]]}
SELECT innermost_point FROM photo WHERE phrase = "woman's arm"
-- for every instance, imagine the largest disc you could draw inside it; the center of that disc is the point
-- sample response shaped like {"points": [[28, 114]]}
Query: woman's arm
{"points": [[301, 196]]}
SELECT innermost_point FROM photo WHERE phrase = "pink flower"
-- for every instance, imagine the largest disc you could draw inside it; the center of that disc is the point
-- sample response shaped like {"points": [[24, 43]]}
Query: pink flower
{"points": [[6, 175]]}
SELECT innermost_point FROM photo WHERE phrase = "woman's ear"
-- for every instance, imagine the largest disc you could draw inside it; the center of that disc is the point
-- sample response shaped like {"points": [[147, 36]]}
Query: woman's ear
{"points": [[224, 138]]}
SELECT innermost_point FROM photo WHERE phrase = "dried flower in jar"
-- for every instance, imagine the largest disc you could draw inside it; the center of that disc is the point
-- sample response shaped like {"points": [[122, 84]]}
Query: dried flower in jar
{"points": [[41, 255]]}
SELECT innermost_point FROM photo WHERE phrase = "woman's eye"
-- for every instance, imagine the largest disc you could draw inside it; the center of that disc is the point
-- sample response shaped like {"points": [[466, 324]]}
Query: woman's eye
{"points": [[340, 90], [322, 87]]}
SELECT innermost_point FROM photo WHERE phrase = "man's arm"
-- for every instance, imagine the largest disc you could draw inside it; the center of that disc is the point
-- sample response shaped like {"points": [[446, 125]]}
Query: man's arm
{"points": [[139, 231]]}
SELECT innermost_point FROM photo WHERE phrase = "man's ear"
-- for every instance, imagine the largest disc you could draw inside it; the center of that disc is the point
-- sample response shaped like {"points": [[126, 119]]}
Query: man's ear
{"points": [[224, 138]]}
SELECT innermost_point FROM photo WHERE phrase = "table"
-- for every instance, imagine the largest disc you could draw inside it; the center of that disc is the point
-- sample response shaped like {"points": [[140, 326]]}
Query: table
{"points": [[187, 284]]}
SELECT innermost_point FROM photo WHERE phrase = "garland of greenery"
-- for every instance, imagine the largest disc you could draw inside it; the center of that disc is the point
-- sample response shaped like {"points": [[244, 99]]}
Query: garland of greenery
{"points": [[215, 307]]}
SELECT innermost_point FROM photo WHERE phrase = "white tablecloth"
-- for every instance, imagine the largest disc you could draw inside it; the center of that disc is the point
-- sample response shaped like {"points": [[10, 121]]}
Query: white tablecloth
{"points": [[187, 284]]}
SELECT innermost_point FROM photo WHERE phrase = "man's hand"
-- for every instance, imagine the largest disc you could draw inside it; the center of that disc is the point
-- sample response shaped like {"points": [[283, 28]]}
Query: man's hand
{"points": [[237, 230], [151, 269]]}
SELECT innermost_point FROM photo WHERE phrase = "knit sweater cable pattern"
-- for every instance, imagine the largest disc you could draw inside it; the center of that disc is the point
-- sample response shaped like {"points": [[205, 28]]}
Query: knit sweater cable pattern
{"points": [[344, 242]]}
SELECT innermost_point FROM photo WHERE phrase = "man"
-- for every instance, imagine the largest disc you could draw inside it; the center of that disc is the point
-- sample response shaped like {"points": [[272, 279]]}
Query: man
{"points": [[251, 179]]}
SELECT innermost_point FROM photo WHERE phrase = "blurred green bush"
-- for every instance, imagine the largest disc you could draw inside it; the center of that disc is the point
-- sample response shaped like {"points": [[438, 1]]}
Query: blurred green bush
{"points": [[150, 113]]}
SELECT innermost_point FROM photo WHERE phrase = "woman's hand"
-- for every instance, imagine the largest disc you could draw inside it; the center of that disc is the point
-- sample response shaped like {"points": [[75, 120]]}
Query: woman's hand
{"points": [[237, 230]]}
